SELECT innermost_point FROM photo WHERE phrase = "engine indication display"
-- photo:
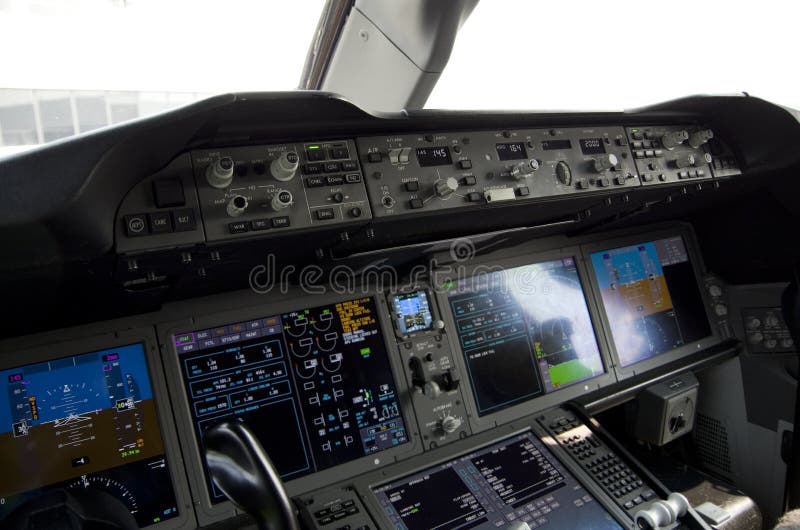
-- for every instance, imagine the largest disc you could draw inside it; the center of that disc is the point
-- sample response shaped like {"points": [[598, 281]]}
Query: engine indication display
{"points": [[322, 374], [85, 421], [524, 331]]}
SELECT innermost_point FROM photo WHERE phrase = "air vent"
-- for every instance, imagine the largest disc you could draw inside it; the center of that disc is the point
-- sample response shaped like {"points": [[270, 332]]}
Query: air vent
{"points": [[711, 437]]}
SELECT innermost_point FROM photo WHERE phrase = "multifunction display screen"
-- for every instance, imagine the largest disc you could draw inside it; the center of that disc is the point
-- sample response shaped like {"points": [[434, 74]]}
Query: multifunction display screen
{"points": [[412, 312], [86, 421], [434, 156], [314, 385], [651, 298], [524, 331], [514, 479]]}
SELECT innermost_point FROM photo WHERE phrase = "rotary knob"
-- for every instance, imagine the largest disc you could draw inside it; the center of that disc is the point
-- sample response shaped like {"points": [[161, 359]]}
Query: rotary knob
{"points": [[445, 187], [684, 160], [705, 158], [673, 139], [563, 173], [219, 172], [755, 338], [605, 162], [524, 168], [700, 137], [285, 166], [450, 424], [752, 323], [432, 389], [236, 206], [281, 200]]}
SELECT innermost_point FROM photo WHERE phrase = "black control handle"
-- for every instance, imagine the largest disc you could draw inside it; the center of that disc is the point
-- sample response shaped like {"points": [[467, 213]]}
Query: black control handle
{"points": [[240, 467]]}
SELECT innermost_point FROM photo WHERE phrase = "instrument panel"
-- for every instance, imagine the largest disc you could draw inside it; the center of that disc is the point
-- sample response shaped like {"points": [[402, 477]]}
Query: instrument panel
{"points": [[342, 185], [358, 381]]}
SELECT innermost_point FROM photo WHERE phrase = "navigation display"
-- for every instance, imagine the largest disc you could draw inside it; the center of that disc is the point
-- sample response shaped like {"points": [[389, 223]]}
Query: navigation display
{"points": [[86, 421], [651, 298], [513, 479], [314, 385], [412, 312], [524, 331]]}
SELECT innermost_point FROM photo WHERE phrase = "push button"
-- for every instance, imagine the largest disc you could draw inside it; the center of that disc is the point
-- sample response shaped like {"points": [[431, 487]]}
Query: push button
{"points": [[469, 180], [335, 180], [465, 164], [352, 178], [412, 185], [315, 155], [160, 223], [183, 220], [523, 191], [260, 224], [135, 225], [338, 152], [349, 165], [238, 227], [325, 214], [374, 157], [332, 167], [415, 204], [312, 169], [280, 222], [315, 182], [474, 196]]}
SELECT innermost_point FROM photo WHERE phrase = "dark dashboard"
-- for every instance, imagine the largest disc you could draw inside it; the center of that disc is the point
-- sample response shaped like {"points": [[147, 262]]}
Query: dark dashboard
{"points": [[413, 313]]}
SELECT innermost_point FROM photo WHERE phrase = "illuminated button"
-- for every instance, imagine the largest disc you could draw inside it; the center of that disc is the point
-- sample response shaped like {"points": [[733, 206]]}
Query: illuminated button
{"points": [[415, 204], [353, 178], [315, 154], [412, 185], [465, 164], [332, 167], [523, 191], [349, 165], [374, 157], [474, 196], [469, 180], [312, 169]]}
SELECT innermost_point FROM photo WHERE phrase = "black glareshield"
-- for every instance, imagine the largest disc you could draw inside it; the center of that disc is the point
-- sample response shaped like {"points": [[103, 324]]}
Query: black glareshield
{"points": [[240, 467]]}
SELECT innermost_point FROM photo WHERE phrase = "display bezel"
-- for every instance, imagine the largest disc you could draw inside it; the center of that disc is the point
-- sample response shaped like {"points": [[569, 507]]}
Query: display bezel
{"points": [[293, 299], [75, 344], [689, 241], [487, 421]]}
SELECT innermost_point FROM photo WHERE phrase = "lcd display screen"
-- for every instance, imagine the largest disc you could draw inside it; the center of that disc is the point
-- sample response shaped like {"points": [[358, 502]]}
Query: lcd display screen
{"points": [[434, 156], [412, 312], [592, 146], [552, 145], [651, 298], [524, 331], [321, 373], [517, 478], [86, 421], [511, 151]]}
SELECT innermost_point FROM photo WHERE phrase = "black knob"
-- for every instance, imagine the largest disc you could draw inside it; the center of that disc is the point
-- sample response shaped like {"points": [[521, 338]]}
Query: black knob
{"points": [[355, 211], [338, 197]]}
